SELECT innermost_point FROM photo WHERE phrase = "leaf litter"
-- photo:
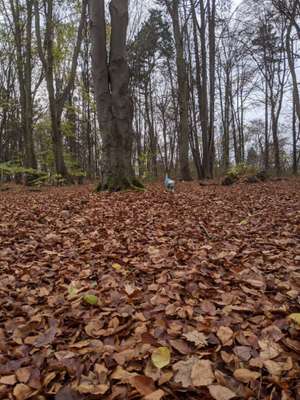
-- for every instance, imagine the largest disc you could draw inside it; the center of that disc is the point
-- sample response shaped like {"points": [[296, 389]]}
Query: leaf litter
{"points": [[126, 296]]}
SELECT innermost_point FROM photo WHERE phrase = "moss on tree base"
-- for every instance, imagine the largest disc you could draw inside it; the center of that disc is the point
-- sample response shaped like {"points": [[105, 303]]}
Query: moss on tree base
{"points": [[114, 184]]}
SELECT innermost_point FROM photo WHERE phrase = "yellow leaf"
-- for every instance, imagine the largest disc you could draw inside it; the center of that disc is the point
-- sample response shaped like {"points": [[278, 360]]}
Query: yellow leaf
{"points": [[72, 291], [117, 267], [161, 357], [295, 318], [90, 299], [244, 222]]}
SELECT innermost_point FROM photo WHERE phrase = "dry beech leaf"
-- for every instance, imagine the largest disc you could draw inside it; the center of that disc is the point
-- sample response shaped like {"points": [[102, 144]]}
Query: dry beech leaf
{"points": [[22, 391], [122, 375], [243, 352], [180, 345], [245, 375], [208, 307], [161, 357], [183, 371], [152, 372], [273, 367], [88, 388], [157, 395], [198, 338], [67, 393], [143, 384], [8, 380], [225, 334], [219, 392], [269, 349], [165, 377], [23, 374], [101, 372], [202, 373], [295, 318], [46, 338]]}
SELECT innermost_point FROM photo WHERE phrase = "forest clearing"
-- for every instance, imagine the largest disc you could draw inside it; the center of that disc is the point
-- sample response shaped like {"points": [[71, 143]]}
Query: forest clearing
{"points": [[97, 289]]}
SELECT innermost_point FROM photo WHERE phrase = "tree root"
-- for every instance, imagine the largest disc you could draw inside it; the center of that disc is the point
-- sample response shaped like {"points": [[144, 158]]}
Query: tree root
{"points": [[115, 184]]}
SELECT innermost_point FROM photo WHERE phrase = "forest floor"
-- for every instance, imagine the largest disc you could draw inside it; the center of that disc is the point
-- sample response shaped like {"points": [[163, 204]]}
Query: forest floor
{"points": [[98, 290]]}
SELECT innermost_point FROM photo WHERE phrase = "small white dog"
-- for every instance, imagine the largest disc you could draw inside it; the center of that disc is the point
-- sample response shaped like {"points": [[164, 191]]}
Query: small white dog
{"points": [[169, 184]]}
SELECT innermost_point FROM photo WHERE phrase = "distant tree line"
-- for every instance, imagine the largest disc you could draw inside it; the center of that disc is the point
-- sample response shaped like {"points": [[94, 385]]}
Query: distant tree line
{"points": [[208, 86]]}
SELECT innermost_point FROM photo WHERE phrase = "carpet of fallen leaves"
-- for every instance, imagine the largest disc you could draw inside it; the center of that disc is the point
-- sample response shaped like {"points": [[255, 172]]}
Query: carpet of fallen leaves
{"points": [[151, 295]]}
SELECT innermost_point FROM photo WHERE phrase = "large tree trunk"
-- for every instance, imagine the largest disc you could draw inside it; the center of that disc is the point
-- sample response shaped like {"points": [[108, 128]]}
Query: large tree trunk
{"points": [[114, 107]]}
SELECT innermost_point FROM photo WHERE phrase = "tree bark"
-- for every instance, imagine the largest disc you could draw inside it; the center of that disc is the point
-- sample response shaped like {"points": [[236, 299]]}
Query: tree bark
{"points": [[114, 106], [23, 43], [183, 99], [57, 96]]}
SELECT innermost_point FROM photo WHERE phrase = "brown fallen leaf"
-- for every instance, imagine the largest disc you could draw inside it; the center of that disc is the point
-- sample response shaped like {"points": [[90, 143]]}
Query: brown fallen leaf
{"points": [[8, 380], [227, 358], [219, 392], [23, 374], [269, 349], [22, 391], [124, 356], [208, 307], [94, 328], [188, 372], [257, 283], [273, 367], [245, 375], [101, 372], [243, 352], [122, 375], [202, 373], [196, 337], [180, 345], [152, 372], [183, 371], [165, 377], [64, 354], [143, 384], [67, 393], [157, 395], [46, 338], [225, 334], [88, 388]]}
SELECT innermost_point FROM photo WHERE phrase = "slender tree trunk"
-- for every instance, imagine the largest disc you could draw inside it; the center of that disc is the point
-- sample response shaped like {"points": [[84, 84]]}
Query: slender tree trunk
{"points": [[183, 100], [225, 156], [57, 96], [275, 141], [204, 96], [295, 124], [212, 84], [23, 42], [291, 62], [267, 151]]}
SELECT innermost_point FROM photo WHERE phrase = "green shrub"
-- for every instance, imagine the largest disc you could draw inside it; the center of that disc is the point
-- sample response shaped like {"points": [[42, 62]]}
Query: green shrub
{"points": [[242, 169]]}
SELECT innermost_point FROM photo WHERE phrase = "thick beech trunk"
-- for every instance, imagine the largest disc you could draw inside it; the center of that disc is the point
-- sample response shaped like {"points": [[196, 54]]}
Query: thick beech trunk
{"points": [[114, 106]]}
